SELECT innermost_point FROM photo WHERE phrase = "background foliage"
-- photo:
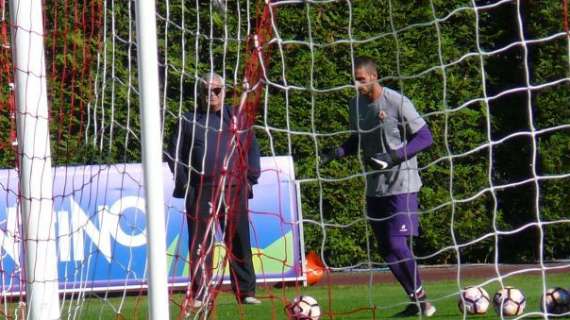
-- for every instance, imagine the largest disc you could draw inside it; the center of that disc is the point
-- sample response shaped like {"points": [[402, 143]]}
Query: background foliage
{"points": [[456, 64]]}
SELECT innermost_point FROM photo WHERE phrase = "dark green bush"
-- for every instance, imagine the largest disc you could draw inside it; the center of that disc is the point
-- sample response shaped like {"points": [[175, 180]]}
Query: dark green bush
{"points": [[438, 53]]}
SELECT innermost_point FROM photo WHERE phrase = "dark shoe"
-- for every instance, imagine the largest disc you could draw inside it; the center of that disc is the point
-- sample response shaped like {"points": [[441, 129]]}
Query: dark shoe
{"points": [[418, 306], [410, 311], [426, 309]]}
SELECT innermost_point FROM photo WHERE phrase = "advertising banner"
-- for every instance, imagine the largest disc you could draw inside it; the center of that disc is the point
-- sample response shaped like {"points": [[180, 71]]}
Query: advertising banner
{"points": [[99, 211]]}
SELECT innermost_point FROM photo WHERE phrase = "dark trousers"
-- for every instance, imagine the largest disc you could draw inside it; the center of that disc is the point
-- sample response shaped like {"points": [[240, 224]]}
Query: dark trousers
{"points": [[211, 209]]}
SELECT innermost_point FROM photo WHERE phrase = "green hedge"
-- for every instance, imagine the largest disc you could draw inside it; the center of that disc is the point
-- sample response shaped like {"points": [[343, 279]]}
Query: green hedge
{"points": [[437, 53]]}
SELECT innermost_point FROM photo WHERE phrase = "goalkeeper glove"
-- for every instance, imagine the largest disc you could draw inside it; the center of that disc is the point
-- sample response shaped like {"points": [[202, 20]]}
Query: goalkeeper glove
{"points": [[384, 160], [327, 156]]}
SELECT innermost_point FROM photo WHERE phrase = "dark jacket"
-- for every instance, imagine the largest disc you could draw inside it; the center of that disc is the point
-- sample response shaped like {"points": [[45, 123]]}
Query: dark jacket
{"points": [[203, 147]]}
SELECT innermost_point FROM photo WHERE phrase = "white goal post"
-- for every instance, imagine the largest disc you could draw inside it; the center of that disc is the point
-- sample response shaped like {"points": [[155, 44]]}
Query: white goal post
{"points": [[35, 160]]}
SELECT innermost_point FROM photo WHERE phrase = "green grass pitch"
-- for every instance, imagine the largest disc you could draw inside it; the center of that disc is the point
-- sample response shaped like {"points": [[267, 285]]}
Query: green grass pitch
{"points": [[379, 301]]}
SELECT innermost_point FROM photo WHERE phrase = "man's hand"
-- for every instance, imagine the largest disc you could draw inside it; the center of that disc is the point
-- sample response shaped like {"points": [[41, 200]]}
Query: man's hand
{"points": [[384, 160], [249, 190], [327, 156]]}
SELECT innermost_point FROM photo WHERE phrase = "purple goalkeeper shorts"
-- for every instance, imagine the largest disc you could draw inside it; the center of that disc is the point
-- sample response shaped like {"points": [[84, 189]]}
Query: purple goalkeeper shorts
{"points": [[395, 215]]}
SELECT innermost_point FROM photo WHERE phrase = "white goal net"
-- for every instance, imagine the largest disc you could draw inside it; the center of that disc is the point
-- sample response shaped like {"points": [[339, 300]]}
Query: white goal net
{"points": [[490, 78]]}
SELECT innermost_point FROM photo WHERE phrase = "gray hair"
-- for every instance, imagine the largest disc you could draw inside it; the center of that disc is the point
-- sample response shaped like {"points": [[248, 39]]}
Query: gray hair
{"points": [[203, 83], [205, 79]]}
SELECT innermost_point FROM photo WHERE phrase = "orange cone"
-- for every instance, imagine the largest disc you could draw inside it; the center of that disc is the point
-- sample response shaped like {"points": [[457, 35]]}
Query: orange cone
{"points": [[315, 268]]}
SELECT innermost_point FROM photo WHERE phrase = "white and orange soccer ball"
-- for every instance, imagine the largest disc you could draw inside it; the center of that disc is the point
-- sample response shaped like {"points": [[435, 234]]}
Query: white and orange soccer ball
{"points": [[556, 300], [303, 308], [509, 302], [474, 300]]}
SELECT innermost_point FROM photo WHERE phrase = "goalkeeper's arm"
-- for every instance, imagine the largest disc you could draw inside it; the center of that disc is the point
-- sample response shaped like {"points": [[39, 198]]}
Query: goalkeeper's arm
{"points": [[418, 142], [349, 147]]}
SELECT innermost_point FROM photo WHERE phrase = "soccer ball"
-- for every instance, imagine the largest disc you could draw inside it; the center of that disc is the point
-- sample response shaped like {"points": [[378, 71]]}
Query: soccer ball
{"points": [[509, 301], [474, 300], [303, 308], [557, 301]]}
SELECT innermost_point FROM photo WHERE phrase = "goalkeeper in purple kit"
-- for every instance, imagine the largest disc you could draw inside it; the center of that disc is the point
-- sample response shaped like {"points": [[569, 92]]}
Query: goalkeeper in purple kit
{"points": [[389, 132]]}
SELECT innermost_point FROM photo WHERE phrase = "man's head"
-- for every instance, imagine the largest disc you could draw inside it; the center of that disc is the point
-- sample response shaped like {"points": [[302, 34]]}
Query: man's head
{"points": [[211, 91], [365, 75]]}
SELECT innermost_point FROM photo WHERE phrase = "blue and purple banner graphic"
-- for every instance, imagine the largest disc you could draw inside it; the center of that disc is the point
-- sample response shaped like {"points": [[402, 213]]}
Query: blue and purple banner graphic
{"points": [[99, 211]]}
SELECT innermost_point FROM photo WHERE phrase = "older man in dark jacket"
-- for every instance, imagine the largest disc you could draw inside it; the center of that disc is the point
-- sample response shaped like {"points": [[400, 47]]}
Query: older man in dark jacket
{"points": [[215, 163]]}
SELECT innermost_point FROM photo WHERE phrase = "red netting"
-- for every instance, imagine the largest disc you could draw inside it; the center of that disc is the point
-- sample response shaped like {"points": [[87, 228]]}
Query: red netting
{"points": [[565, 15], [7, 99], [73, 38], [258, 53], [457, 62]]}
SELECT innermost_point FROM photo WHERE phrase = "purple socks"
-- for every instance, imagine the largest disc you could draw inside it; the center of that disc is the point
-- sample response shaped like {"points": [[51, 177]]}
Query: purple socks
{"points": [[401, 262]]}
